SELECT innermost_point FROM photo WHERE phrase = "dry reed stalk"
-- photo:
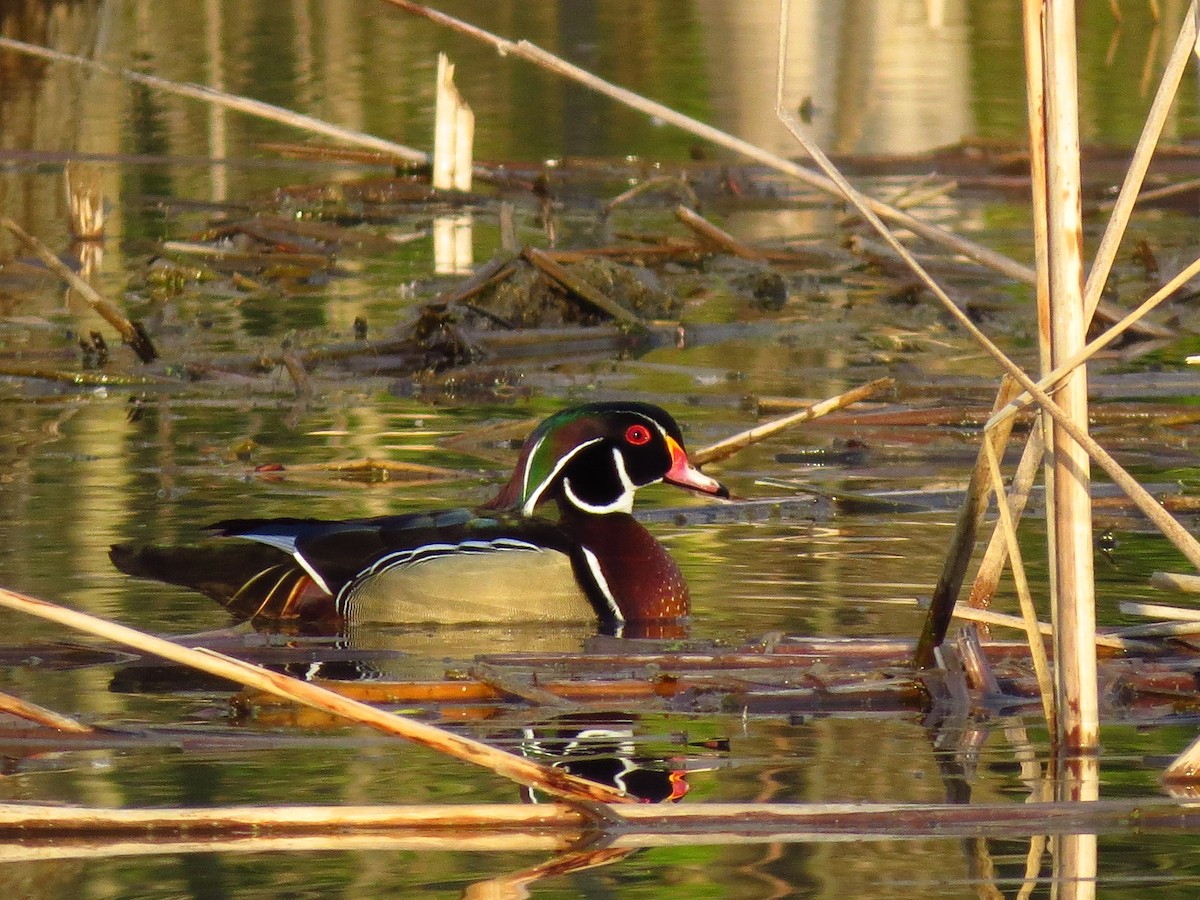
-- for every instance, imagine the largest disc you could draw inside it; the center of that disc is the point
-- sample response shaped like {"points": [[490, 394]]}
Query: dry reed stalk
{"points": [[1064, 422], [716, 237], [33, 713], [1171, 528], [550, 780], [130, 333], [1049, 382], [527, 51], [1037, 649], [1159, 611], [1170, 581], [962, 542], [731, 445], [987, 576], [580, 288], [1160, 630], [1160, 108], [1003, 620], [1074, 600], [241, 104], [453, 133]]}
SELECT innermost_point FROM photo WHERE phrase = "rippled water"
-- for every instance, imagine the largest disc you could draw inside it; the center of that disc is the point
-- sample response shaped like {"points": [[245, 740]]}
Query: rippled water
{"points": [[78, 472]]}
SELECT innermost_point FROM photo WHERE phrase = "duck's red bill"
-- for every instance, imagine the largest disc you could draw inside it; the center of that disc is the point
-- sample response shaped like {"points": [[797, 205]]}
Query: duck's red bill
{"points": [[683, 474]]}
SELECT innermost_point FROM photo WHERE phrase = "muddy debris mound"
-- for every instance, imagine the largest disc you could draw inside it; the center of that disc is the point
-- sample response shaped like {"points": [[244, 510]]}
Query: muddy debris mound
{"points": [[531, 299]]}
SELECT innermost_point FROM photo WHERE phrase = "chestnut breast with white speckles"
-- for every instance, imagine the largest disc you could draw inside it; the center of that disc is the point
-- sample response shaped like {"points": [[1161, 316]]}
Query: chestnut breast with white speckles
{"points": [[644, 580]]}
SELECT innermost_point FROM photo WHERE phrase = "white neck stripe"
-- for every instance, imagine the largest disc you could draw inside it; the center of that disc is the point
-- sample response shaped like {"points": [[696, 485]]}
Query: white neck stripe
{"points": [[594, 565]]}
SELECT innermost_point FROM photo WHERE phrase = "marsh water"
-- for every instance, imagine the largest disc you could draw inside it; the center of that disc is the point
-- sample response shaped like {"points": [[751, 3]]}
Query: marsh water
{"points": [[85, 466]]}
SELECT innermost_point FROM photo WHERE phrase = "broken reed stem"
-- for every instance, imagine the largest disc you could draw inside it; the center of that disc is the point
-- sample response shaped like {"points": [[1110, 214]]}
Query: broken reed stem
{"points": [[1037, 649], [1171, 581], [1051, 381], [1171, 528], [579, 287], [33, 713], [716, 237], [454, 132], [232, 101], [962, 542], [987, 576], [130, 333], [1186, 766], [738, 442], [998, 262], [524, 771], [85, 201]]}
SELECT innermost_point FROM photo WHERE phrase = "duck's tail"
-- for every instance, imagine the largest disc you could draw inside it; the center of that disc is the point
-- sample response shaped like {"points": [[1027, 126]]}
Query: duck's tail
{"points": [[251, 580]]}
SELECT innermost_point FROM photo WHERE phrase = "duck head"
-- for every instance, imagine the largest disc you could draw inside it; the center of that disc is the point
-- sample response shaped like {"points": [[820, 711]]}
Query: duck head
{"points": [[595, 457]]}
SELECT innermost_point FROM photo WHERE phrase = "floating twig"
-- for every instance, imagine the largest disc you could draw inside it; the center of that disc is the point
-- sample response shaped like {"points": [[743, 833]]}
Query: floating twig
{"points": [[732, 445], [80, 378], [32, 712], [652, 184], [366, 470], [237, 257], [717, 237]]}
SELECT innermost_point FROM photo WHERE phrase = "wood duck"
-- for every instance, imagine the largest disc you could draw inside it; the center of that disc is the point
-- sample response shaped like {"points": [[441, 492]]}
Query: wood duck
{"points": [[501, 562]]}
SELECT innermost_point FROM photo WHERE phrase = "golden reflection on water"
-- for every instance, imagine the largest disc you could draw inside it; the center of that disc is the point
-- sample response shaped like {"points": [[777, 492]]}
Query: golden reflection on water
{"points": [[76, 474]]}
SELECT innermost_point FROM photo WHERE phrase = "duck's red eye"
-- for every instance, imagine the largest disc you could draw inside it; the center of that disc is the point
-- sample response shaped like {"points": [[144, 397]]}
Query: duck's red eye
{"points": [[637, 435]]}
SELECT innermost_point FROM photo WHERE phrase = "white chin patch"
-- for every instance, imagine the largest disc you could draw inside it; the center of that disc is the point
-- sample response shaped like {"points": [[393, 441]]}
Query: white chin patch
{"points": [[623, 503]]}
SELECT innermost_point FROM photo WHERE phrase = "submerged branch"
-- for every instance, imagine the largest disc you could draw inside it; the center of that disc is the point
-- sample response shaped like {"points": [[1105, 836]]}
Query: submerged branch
{"points": [[131, 333]]}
